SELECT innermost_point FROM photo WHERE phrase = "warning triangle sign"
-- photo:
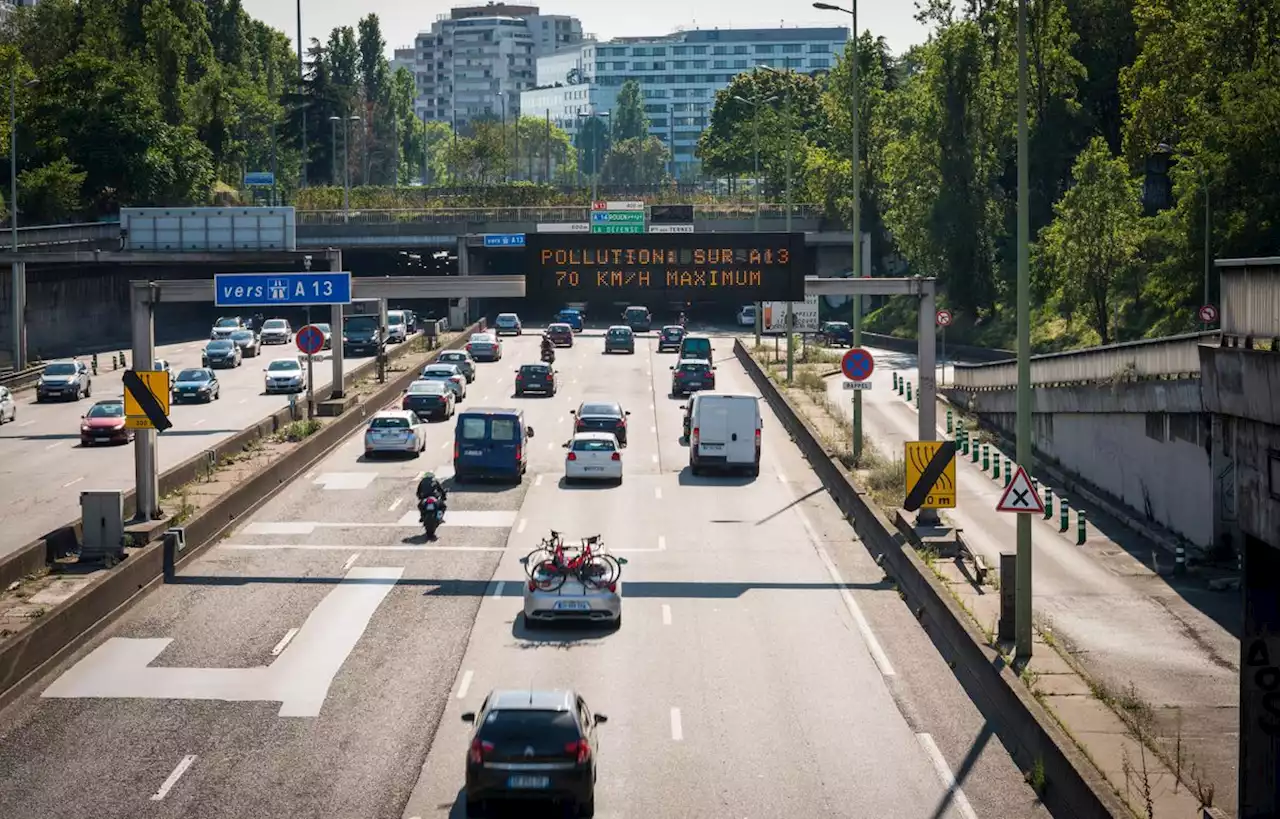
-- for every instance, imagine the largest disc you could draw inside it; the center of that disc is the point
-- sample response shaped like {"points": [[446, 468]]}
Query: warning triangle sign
{"points": [[1020, 495]]}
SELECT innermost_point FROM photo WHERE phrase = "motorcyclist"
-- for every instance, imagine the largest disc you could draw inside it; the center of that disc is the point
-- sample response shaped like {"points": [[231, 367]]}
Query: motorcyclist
{"points": [[548, 347], [431, 487], [683, 318]]}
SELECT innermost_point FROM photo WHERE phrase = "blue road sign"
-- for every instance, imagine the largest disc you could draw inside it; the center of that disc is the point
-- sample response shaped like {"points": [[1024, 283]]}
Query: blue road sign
{"points": [[281, 289], [310, 339], [260, 178], [504, 240], [857, 364]]}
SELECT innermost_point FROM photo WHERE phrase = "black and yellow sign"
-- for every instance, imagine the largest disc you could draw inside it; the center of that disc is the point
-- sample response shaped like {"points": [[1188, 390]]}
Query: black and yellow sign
{"points": [[931, 475], [677, 266], [146, 399]]}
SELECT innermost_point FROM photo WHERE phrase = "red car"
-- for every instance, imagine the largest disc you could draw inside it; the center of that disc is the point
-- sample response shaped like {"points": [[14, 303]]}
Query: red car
{"points": [[104, 424], [561, 335]]}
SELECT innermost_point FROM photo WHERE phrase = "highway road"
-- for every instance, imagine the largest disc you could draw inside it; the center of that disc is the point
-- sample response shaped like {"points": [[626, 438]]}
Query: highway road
{"points": [[43, 467], [316, 662]]}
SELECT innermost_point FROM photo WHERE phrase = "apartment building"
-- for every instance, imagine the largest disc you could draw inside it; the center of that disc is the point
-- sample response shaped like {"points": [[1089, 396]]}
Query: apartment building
{"points": [[679, 75], [7, 7], [476, 60]]}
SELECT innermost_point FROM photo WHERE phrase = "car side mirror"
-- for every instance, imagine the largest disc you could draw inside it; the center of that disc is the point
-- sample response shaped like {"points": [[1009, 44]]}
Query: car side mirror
{"points": [[600, 719], [672, 367], [627, 412], [682, 406], [469, 716], [529, 431], [565, 445], [573, 412]]}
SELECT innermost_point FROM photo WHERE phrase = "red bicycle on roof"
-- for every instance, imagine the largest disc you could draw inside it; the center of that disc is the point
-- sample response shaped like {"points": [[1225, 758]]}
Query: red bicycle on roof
{"points": [[549, 565]]}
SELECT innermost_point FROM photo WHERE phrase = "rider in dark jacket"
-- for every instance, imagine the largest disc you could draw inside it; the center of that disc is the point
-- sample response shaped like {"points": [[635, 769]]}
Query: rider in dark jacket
{"points": [[430, 487]]}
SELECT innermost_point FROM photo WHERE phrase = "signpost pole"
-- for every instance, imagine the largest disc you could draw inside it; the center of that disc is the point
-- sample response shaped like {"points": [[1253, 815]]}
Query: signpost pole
{"points": [[311, 377], [146, 477], [1022, 620], [927, 394], [335, 330], [791, 345]]}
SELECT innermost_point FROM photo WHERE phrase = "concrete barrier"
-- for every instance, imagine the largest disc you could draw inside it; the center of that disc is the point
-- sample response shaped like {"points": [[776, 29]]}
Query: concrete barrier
{"points": [[71, 623], [66, 538], [1072, 786]]}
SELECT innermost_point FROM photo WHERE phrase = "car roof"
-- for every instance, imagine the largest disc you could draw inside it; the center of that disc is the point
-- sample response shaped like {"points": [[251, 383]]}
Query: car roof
{"points": [[612, 405], [492, 411], [595, 436], [441, 365], [428, 382], [290, 359], [394, 414], [508, 315], [693, 361], [535, 366], [454, 353], [698, 335], [108, 401], [557, 324], [613, 327], [532, 700]]}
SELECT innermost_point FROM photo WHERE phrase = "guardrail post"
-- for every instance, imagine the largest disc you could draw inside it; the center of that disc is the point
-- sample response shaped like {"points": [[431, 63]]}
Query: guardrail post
{"points": [[996, 466], [948, 422], [908, 392], [124, 362], [1082, 533], [1065, 523], [1008, 472], [95, 363], [895, 379], [1179, 560], [1048, 502], [986, 457], [973, 455]]}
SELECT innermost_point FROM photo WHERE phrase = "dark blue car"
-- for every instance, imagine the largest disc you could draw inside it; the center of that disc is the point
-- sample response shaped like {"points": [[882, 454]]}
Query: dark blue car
{"points": [[571, 317], [836, 334], [491, 443]]}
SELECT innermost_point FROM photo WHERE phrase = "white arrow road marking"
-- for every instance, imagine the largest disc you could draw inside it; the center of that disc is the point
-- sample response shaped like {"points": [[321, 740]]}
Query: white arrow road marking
{"points": [[299, 678]]}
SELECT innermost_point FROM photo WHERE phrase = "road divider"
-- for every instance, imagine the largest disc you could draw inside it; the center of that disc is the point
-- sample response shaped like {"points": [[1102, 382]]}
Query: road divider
{"points": [[69, 624], [1073, 787]]}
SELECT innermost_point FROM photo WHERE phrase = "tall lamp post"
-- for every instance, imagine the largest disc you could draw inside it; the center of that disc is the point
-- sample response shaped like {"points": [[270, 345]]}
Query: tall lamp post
{"points": [[756, 105], [18, 274], [346, 164], [595, 152], [791, 344], [302, 74], [855, 60]]}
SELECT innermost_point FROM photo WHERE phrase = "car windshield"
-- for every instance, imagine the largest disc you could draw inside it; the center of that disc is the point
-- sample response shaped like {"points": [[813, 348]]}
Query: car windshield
{"points": [[637, 312], [324, 328], [395, 318], [227, 322], [559, 328], [612, 410], [242, 335], [693, 368], [426, 388], [283, 364], [673, 332], [275, 324], [60, 369], [106, 411], [535, 369], [508, 318], [361, 324], [516, 726], [837, 326], [619, 332], [193, 375], [580, 445], [480, 338], [389, 423], [453, 357], [218, 346]]}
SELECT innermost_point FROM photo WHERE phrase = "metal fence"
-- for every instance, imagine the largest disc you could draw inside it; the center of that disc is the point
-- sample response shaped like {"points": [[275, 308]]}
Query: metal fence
{"points": [[555, 214], [1154, 358], [53, 235], [18, 379], [1251, 299]]}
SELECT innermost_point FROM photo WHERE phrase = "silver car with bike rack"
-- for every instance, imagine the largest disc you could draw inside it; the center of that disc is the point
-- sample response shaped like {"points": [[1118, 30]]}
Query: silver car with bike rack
{"points": [[553, 595]]}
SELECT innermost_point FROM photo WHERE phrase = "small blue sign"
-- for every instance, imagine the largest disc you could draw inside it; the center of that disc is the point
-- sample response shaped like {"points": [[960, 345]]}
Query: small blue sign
{"points": [[254, 178], [504, 240], [281, 289]]}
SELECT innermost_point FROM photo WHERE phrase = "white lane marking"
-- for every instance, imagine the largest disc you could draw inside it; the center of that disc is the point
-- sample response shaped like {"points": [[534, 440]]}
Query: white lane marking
{"points": [[26, 423], [523, 523], [309, 475], [497, 589], [653, 429], [873, 645], [666, 614], [948, 778], [465, 685], [651, 406], [73, 483], [657, 493], [284, 641], [351, 561], [677, 730], [198, 423], [537, 481], [243, 401], [54, 445], [655, 458], [168, 784], [395, 504], [662, 543], [560, 420], [313, 547]]}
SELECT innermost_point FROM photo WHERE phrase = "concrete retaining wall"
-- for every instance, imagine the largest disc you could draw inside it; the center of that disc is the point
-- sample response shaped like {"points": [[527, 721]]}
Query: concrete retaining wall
{"points": [[1073, 787]]}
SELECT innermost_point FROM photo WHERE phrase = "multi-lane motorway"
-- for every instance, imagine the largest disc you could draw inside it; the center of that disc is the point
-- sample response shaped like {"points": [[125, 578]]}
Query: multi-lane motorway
{"points": [[316, 662], [43, 468]]}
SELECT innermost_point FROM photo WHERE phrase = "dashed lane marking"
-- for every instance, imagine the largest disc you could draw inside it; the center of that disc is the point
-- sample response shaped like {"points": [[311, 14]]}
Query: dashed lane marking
{"points": [[948, 778], [351, 561], [498, 587], [677, 729], [465, 685], [657, 493], [168, 784], [317, 547], [523, 523], [666, 614], [73, 483], [284, 641], [395, 504], [538, 481]]}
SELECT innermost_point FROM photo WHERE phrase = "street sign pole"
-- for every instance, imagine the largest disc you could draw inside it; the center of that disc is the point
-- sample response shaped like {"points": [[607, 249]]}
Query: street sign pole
{"points": [[1023, 633]]}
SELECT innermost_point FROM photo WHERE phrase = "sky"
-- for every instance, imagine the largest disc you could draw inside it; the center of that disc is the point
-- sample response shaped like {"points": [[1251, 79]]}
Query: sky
{"points": [[401, 20]]}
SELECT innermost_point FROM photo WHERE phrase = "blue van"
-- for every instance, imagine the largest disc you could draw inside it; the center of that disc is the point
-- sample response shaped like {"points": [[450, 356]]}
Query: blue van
{"points": [[491, 443], [571, 317]]}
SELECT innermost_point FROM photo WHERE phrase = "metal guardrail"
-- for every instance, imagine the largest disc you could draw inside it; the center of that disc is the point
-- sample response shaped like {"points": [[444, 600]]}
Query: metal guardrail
{"points": [[1251, 300], [37, 236], [554, 214], [19, 379], [1153, 358]]}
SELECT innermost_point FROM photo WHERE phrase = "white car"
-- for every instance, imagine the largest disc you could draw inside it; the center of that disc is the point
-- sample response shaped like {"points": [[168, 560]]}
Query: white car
{"points": [[395, 431], [449, 373], [161, 365], [747, 316], [397, 326], [593, 456], [275, 331], [284, 375], [225, 326], [8, 407], [485, 347], [508, 323]]}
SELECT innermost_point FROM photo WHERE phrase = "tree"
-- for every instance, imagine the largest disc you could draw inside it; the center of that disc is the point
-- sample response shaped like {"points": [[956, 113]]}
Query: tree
{"points": [[636, 161], [481, 157], [51, 193], [592, 143], [545, 149], [628, 119], [1095, 234]]}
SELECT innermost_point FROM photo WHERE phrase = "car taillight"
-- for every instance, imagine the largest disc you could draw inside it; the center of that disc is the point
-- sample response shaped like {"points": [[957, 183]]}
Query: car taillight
{"points": [[613, 587], [519, 451], [580, 426], [580, 750], [757, 439], [693, 437], [479, 749], [622, 422], [519, 377], [571, 457], [404, 405], [617, 456], [456, 450], [533, 586], [468, 348]]}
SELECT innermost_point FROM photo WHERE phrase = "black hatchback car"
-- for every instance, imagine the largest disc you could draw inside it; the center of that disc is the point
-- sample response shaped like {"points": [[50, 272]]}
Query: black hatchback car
{"points": [[619, 339], [601, 416], [533, 746], [691, 375], [535, 378], [670, 338], [836, 333]]}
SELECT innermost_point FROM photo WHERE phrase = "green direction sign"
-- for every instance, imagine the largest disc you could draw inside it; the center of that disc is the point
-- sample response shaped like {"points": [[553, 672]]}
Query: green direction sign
{"points": [[624, 216], [623, 228]]}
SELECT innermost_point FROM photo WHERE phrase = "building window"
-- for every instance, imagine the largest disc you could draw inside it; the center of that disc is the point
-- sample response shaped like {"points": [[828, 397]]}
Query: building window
{"points": [[720, 50], [659, 51], [680, 65], [639, 51], [740, 49], [720, 64], [678, 50], [699, 49], [699, 64], [792, 48], [821, 62], [764, 49], [1273, 474], [743, 64], [818, 48]]}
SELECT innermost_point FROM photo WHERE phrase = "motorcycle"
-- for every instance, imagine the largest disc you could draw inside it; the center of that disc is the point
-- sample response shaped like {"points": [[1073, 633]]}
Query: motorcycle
{"points": [[432, 516], [549, 356]]}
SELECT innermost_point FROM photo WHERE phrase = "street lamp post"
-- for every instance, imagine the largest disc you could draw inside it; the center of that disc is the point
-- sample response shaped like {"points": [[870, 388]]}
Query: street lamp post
{"points": [[595, 152], [790, 320], [333, 150], [346, 164], [302, 73], [1022, 594], [18, 273], [755, 119], [506, 158], [855, 65]]}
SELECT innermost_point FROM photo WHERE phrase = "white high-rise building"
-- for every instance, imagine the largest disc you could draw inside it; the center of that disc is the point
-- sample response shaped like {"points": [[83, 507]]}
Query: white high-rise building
{"points": [[475, 61], [403, 58]]}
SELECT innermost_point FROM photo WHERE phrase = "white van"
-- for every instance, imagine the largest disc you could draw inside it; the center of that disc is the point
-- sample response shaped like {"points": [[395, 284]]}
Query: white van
{"points": [[724, 432], [397, 326]]}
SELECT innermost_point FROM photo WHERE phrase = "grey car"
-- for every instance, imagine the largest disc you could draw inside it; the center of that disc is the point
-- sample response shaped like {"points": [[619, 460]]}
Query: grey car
{"points": [[248, 343], [196, 384], [460, 359], [221, 353], [64, 380], [8, 407], [275, 331], [574, 601]]}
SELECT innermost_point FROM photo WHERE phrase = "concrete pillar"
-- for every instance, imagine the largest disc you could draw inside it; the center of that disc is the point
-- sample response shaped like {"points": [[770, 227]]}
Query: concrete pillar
{"points": [[461, 317], [18, 318], [1259, 757], [1222, 465], [927, 394], [335, 323], [145, 462]]}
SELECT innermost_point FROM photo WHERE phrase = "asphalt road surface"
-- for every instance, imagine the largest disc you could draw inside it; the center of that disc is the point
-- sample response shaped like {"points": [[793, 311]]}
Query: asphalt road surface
{"points": [[764, 669], [43, 467]]}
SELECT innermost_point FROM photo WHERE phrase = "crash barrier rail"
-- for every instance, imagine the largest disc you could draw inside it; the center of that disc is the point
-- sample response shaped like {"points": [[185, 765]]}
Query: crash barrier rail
{"points": [[1032, 736], [1169, 357], [68, 625], [552, 214], [18, 379], [37, 236]]}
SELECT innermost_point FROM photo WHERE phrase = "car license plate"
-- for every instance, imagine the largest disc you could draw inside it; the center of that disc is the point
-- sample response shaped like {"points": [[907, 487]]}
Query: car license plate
{"points": [[102, 439], [528, 782], [593, 468], [572, 605], [713, 446], [472, 452], [694, 384]]}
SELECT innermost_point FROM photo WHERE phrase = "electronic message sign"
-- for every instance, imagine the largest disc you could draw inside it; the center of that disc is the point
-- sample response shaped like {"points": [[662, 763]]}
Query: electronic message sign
{"points": [[740, 267]]}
